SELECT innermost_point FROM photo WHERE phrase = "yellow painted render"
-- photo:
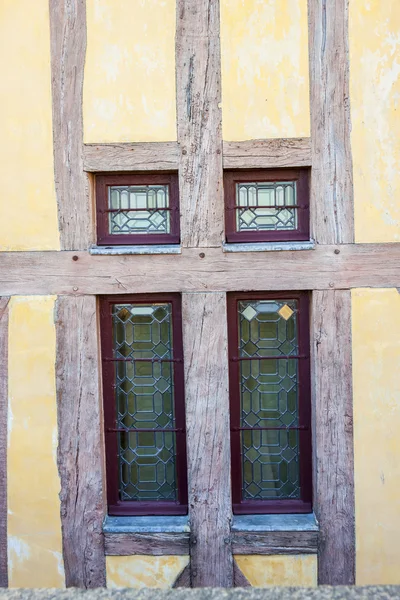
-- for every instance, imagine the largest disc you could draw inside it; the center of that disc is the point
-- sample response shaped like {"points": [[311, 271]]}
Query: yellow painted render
{"points": [[28, 206], [375, 114], [34, 525], [265, 80], [144, 571], [279, 570], [129, 86], [376, 382]]}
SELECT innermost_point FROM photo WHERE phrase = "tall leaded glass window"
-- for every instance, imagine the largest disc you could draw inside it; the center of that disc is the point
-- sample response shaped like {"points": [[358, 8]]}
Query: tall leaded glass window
{"points": [[137, 209], [269, 205], [144, 405], [270, 402]]}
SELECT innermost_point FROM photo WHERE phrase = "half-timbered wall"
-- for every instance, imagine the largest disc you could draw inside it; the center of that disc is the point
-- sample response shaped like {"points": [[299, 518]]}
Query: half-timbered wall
{"points": [[197, 86]]}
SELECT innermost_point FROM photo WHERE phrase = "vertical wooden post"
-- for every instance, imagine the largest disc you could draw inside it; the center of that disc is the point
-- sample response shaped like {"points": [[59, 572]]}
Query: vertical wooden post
{"points": [[79, 444], [332, 213], [207, 418], [68, 49], [333, 410], [332, 207], [3, 438], [198, 81]]}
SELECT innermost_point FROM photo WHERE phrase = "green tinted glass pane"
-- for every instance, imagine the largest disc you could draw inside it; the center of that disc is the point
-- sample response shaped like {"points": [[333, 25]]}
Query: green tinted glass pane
{"points": [[270, 464], [143, 347], [269, 398], [147, 466]]}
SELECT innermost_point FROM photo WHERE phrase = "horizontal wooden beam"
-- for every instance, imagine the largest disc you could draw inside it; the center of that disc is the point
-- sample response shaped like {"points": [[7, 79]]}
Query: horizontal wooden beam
{"points": [[138, 156], [275, 542], [201, 270], [164, 156], [155, 544], [267, 154]]}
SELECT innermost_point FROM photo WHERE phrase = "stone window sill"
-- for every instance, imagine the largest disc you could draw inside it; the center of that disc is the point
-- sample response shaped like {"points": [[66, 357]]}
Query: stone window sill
{"points": [[118, 250], [146, 524], [269, 246], [264, 523]]}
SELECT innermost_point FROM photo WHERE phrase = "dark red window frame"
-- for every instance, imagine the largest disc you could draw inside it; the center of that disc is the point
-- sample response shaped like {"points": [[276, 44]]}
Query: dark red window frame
{"points": [[105, 180], [115, 505], [231, 178], [304, 504]]}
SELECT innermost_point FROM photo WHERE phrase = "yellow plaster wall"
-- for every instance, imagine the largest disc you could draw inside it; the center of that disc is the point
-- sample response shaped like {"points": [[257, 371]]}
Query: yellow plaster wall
{"points": [[129, 87], [279, 570], [28, 207], [376, 361], [265, 81], [144, 571], [375, 113], [34, 526]]}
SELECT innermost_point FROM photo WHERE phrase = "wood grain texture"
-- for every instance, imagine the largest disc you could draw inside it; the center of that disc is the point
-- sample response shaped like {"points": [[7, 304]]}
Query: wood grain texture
{"points": [[3, 439], [357, 265], [68, 49], [155, 544], [332, 207], [79, 445], [184, 578], [275, 542], [333, 436], [164, 156], [239, 579], [267, 154], [138, 156], [207, 422], [198, 84]]}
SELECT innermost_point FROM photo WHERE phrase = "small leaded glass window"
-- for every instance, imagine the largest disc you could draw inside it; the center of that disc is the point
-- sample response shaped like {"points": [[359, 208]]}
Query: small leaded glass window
{"points": [[137, 209], [270, 402], [144, 405], [266, 205]]}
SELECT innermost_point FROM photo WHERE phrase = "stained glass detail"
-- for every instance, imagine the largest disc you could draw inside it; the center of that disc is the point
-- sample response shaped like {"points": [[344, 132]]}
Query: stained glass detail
{"points": [[285, 312], [269, 399], [143, 353], [140, 209], [266, 206]]}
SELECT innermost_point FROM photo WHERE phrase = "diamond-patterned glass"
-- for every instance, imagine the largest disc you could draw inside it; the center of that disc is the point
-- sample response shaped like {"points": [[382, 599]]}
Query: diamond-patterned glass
{"points": [[139, 209], [143, 349], [269, 206], [268, 334]]}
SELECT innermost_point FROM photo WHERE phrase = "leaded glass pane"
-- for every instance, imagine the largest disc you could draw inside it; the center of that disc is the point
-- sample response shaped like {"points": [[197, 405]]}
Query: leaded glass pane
{"points": [[270, 464], [143, 349], [269, 398], [141, 209], [267, 206]]}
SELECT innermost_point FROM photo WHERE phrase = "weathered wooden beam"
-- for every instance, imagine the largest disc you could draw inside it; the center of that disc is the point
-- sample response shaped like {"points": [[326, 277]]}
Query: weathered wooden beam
{"points": [[275, 542], [3, 439], [239, 579], [138, 156], [201, 270], [207, 422], [333, 435], [68, 49], [198, 87], [267, 154], [164, 156], [156, 544], [184, 578], [79, 445], [332, 209]]}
